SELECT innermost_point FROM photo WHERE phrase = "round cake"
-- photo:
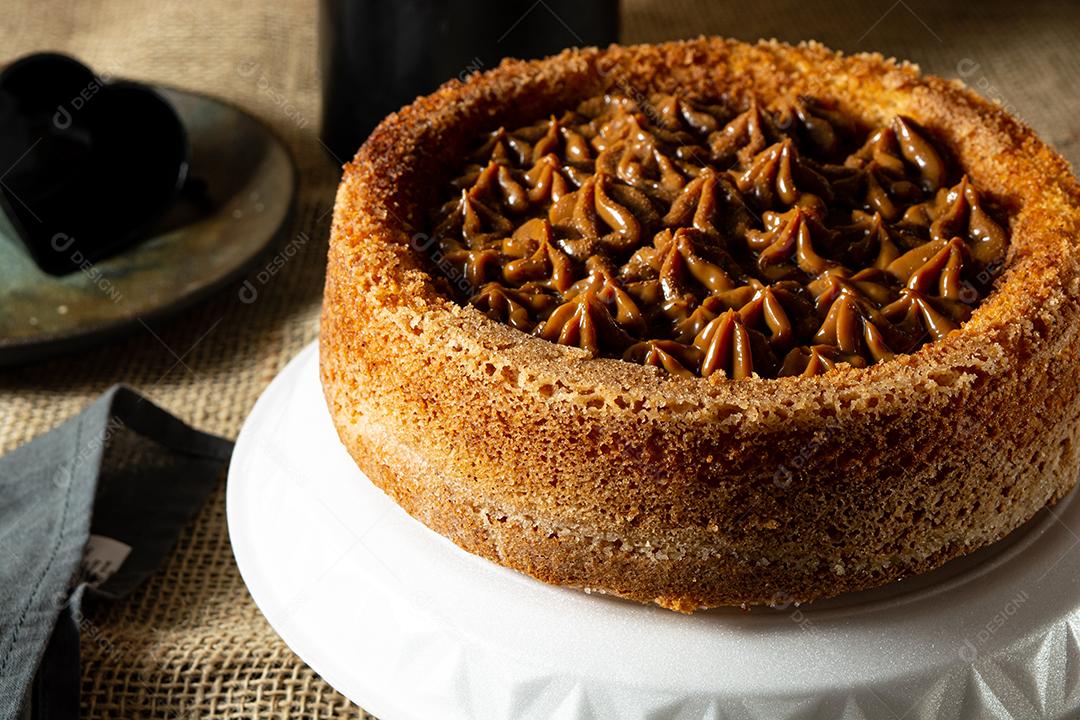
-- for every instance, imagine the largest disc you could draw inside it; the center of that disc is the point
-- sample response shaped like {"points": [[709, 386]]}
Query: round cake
{"points": [[708, 323]]}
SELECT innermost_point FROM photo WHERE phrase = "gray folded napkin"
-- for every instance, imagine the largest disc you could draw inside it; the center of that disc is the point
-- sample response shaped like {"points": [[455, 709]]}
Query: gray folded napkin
{"points": [[91, 508]]}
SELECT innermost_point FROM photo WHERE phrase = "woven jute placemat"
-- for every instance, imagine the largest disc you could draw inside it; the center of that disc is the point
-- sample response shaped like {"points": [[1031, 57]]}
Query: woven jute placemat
{"points": [[192, 644]]}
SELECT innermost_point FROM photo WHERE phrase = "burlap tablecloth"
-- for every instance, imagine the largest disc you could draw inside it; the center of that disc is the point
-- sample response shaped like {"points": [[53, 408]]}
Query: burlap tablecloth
{"points": [[192, 643]]}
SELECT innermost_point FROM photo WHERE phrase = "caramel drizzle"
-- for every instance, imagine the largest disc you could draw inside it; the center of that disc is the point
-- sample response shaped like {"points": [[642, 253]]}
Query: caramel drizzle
{"points": [[773, 241]]}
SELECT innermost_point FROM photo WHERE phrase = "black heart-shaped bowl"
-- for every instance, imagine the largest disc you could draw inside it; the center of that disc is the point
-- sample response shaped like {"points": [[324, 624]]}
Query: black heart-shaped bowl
{"points": [[87, 167]]}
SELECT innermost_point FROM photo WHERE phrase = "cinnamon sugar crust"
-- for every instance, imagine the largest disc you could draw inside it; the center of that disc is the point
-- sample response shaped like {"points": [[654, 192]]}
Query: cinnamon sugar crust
{"points": [[699, 492]]}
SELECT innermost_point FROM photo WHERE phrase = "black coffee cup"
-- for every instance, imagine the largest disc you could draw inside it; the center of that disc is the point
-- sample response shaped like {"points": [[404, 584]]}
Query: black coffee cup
{"points": [[87, 166], [377, 56]]}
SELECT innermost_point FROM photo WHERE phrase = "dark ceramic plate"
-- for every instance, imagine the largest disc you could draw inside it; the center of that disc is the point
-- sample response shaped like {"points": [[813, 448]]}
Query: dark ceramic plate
{"points": [[242, 185]]}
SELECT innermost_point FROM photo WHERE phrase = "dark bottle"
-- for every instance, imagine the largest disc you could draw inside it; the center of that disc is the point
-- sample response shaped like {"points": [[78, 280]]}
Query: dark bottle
{"points": [[378, 55]]}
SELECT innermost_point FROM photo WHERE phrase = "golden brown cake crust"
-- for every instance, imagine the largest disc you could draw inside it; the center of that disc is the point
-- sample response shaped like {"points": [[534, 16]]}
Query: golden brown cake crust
{"points": [[691, 493]]}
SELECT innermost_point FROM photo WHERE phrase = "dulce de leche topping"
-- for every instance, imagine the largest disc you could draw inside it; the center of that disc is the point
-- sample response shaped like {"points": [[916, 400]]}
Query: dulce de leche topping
{"points": [[774, 241]]}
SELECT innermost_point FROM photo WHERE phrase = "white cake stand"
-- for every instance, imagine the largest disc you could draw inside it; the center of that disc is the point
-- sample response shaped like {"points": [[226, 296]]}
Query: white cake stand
{"points": [[410, 627]]}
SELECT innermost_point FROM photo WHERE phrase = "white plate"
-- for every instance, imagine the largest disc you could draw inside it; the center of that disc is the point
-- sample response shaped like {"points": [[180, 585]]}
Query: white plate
{"points": [[410, 627]]}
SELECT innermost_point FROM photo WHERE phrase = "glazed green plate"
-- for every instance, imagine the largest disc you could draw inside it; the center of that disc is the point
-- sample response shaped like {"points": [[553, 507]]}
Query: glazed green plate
{"points": [[240, 193]]}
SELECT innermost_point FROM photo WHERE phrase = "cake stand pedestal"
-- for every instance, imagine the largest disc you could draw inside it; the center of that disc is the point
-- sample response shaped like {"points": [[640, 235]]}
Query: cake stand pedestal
{"points": [[410, 627]]}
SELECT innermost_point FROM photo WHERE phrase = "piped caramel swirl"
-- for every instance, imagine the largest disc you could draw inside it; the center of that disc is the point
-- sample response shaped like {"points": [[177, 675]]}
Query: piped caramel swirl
{"points": [[771, 241]]}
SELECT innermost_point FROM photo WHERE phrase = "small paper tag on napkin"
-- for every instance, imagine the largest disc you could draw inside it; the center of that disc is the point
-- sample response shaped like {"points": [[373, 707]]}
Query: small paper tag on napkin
{"points": [[102, 558]]}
